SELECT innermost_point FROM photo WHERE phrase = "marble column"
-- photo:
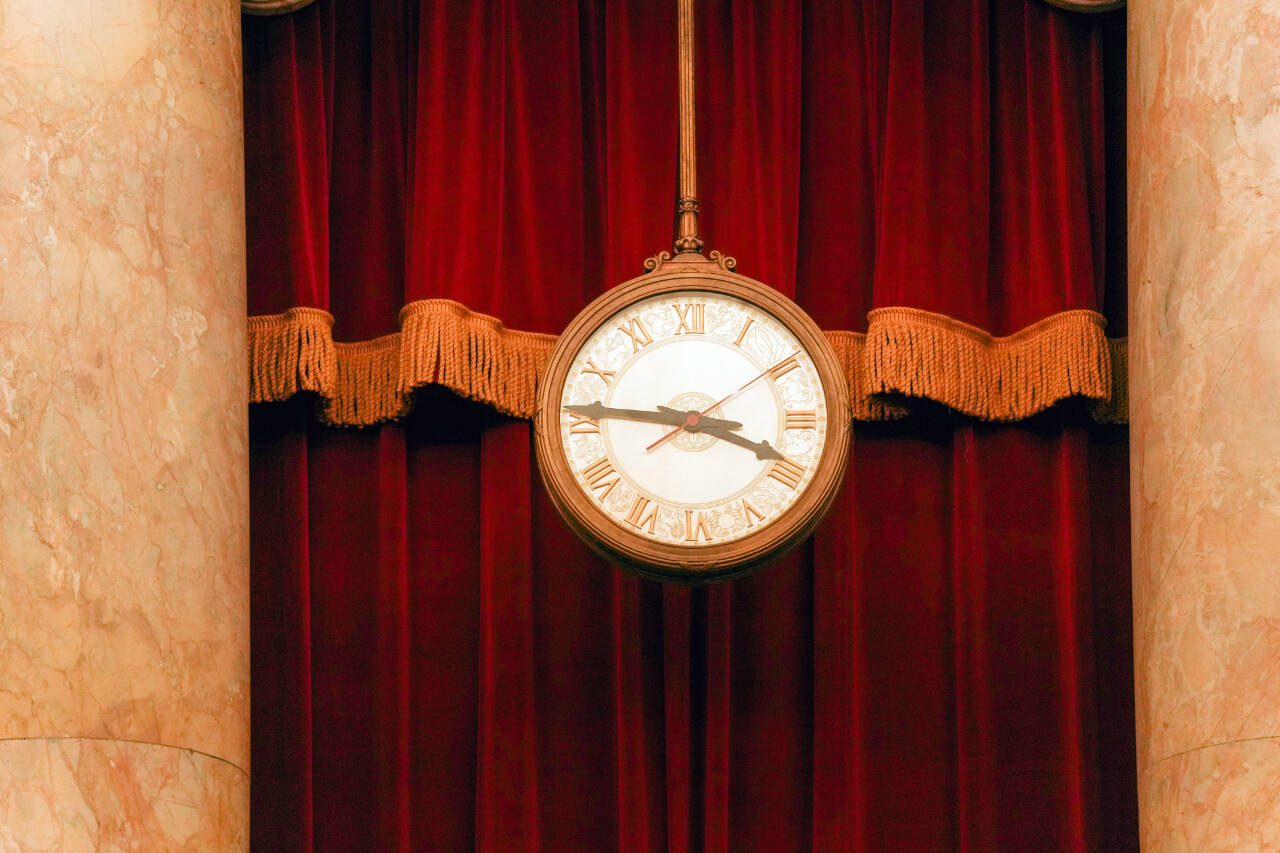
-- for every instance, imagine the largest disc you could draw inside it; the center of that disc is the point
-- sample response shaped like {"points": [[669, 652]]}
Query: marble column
{"points": [[1204, 289], [124, 672]]}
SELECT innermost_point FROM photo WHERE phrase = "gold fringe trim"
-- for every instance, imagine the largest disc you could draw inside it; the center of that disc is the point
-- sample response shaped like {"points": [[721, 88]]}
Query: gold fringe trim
{"points": [[906, 352], [1115, 409], [921, 354], [440, 342], [367, 390], [291, 352], [850, 349], [472, 354]]}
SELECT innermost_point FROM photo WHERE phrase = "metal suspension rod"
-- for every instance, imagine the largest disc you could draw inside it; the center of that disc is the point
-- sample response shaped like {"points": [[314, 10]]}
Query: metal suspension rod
{"points": [[687, 239]]}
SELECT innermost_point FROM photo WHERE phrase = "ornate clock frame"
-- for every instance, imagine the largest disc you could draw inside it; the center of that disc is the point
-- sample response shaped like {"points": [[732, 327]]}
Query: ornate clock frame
{"points": [[691, 564]]}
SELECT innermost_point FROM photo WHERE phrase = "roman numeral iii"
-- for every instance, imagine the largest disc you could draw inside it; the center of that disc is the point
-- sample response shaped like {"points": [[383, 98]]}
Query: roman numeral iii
{"points": [[802, 419], [692, 318]]}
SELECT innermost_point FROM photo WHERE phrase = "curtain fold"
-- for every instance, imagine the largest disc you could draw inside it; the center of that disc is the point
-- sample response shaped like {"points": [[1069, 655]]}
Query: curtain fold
{"points": [[440, 664]]}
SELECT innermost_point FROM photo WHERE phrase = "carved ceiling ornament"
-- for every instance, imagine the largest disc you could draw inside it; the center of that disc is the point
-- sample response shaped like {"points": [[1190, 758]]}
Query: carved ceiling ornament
{"points": [[272, 7], [1087, 5]]}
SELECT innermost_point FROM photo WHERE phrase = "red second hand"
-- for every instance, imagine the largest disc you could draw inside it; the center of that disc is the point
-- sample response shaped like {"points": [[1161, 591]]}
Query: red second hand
{"points": [[721, 401]]}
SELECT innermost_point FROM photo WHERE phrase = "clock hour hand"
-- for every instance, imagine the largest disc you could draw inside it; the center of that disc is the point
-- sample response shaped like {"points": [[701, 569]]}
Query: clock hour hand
{"points": [[662, 415], [762, 449]]}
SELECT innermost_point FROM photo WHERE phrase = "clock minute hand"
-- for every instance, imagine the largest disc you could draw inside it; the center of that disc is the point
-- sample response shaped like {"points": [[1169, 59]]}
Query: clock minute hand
{"points": [[762, 449], [662, 415]]}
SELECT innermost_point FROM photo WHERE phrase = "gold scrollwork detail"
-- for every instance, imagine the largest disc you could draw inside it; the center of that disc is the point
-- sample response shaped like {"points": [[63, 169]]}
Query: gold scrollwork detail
{"points": [[655, 262], [727, 263], [1087, 5], [272, 7]]}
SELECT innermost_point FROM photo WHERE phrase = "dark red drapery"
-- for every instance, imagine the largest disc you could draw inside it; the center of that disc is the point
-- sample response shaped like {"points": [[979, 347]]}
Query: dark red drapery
{"points": [[439, 664]]}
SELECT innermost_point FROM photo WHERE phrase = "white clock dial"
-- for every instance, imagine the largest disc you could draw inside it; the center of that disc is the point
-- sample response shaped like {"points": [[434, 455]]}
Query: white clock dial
{"points": [[693, 418]]}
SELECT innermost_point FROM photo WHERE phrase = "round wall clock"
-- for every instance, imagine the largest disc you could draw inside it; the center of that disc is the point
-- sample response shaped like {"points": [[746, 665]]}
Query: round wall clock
{"points": [[692, 423]]}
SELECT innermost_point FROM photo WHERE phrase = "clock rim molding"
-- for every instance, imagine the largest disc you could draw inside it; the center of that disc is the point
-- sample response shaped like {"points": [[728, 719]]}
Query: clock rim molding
{"points": [[686, 564]]}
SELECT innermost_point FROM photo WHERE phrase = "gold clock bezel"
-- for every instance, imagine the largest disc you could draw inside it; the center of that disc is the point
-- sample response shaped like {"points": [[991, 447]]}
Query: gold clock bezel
{"points": [[691, 564]]}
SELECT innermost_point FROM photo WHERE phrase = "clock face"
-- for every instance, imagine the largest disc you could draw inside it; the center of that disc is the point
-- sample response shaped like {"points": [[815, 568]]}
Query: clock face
{"points": [[692, 418]]}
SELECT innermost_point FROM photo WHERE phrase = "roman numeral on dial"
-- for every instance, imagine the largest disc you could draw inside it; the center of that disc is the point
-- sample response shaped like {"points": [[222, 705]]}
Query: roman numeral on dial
{"points": [[635, 330], [692, 318], [782, 368], [753, 515], [643, 513], [743, 334], [582, 425], [606, 376], [601, 477], [801, 419], [695, 527], [787, 473]]}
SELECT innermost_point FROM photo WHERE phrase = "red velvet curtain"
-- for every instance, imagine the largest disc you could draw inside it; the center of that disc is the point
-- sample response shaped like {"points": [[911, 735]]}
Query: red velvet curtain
{"points": [[438, 664]]}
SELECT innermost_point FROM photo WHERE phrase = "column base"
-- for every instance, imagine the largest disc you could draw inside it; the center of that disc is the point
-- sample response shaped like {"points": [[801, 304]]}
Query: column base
{"points": [[71, 794], [1224, 797]]}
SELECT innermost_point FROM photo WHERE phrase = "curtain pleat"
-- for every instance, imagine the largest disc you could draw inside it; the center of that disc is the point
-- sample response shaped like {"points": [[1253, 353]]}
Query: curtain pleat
{"points": [[443, 465], [392, 668], [280, 604], [507, 742], [636, 779], [679, 711], [975, 734], [839, 777], [440, 664]]}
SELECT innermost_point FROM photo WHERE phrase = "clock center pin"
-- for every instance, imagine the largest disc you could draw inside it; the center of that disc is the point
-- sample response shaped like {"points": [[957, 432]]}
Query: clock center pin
{"points": [[694, 404]]}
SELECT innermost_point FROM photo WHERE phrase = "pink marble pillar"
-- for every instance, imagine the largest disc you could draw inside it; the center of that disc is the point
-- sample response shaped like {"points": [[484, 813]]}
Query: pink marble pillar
{"points": [[124, 671], [1204, 289]]}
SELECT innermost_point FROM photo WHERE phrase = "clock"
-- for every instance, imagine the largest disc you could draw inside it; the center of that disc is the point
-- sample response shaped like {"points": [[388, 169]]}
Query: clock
{"points": [[692, 423]]}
